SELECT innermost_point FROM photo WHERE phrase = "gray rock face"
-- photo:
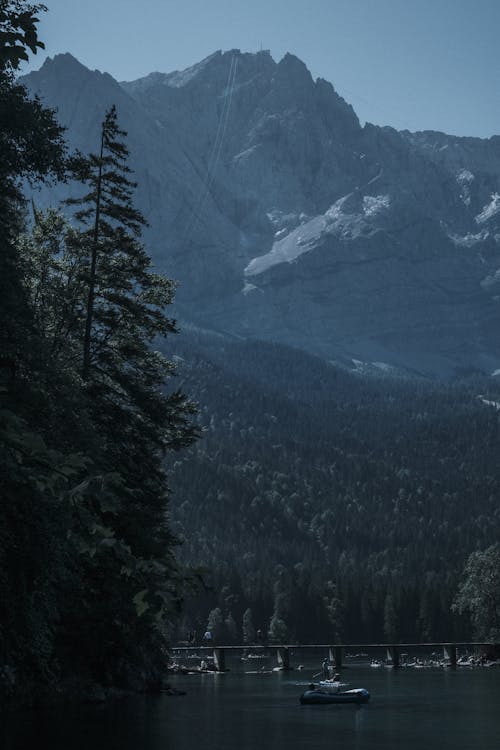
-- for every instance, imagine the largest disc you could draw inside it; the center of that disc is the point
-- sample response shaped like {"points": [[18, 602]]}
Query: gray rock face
{"points": [[282, 218]]}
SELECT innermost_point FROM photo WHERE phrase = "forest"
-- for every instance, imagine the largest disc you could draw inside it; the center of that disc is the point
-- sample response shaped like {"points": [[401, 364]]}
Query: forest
{"points": [[327, 505], [155, 484], [89, 582]]}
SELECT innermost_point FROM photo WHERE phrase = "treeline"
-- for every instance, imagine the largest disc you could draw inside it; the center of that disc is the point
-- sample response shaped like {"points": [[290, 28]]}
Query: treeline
{"points": [[89, 583], [327, 505]]}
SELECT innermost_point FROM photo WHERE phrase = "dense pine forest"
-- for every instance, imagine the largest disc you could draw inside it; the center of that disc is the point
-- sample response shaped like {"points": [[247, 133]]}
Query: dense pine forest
{"points": [[282, 493], [327, 504]]}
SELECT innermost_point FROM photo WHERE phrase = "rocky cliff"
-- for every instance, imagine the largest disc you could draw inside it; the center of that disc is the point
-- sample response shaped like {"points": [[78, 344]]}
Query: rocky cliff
{"points": [[284, 219]]}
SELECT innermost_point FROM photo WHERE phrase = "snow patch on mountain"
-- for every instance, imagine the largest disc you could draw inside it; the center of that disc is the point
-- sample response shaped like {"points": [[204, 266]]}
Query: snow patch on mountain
{"points": [[246, 154], [464, 176], [374, 204], [469, 239], [488, 401], [341, 220], [491, 209], [249, 288], [286, 250], [283, 222]]}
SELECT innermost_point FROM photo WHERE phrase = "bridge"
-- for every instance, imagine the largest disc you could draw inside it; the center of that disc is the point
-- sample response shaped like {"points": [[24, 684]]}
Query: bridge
{"points": [[336, 652]]}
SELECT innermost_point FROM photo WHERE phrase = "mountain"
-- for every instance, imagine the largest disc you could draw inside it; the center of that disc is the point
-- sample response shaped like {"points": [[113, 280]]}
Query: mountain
{"points": [[323, 501], [283, 219]]}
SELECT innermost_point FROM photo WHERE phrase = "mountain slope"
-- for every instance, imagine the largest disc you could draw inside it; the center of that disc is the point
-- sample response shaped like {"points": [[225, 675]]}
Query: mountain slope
{"points": [[284, 219], [311, 482]]}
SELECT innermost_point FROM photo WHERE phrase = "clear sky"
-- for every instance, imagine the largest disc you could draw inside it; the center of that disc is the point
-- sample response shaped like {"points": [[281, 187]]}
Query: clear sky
{"points": [[416, 64]]}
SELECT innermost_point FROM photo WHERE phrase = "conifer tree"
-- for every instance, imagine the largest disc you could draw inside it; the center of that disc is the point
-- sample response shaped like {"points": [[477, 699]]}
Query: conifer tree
{"points": [[88, 580], [125, 302], [51, 262], [113, 226], [31, 147], [248, 627], [98, 308], [124, 315], [479, 592], [231, 628], [31, 474], [215, 624]]}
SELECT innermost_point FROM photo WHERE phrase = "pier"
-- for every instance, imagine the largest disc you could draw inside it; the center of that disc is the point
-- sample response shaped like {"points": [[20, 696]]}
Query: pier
{"points": [[336, 652]]}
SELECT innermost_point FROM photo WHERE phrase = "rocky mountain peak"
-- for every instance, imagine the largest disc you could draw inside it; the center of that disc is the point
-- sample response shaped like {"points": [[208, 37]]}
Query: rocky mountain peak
{"points": [[63, 61], [65, 67], [294, 70], [283, 219]]}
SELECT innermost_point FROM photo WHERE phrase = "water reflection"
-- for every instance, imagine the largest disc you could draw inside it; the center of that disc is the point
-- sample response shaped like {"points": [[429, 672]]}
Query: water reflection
{"points": [[427, 709]]}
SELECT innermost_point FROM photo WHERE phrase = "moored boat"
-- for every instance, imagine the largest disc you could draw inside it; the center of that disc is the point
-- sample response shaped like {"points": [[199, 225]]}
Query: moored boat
{"points": [[333, 686]]}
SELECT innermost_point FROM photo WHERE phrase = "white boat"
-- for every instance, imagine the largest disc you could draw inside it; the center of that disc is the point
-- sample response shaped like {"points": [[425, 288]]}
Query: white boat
{"points": [[333, 686]]}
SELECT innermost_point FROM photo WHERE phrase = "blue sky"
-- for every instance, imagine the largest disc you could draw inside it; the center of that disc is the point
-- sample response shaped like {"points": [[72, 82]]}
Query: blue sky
{"points": [[420, 64]]}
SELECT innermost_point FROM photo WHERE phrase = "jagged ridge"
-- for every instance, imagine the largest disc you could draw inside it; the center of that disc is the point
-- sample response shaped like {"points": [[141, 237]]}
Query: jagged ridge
{"points": [[284, 219]]}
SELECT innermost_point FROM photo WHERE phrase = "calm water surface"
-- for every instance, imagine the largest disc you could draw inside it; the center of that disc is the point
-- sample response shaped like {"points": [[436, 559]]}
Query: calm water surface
{"points": [[410, 709]]}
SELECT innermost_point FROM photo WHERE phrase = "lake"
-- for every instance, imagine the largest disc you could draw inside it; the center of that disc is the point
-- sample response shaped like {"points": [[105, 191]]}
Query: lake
{"points": [[410, 709]]}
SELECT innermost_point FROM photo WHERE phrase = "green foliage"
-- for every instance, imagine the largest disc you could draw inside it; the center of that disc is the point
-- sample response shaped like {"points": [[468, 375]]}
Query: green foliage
{"points": [[124, 306], [373, 487], [231, 629], [54, 280], [479, 593], [323, 505], [215, 624], [36, 517], [334, 609], [89, 584], [391, 627], [249, 633], [140, 603], [18, 31], [31, 148], [278, 631], [114, 255]]}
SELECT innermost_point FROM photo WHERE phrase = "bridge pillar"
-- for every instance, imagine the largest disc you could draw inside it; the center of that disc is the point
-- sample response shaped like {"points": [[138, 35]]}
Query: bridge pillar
{"points": [[283, 657], [335, 655], [450, 654], [393, 656], [220, 659]]}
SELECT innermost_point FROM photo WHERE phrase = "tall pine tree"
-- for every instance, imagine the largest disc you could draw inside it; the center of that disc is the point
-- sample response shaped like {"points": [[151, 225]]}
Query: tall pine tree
{"points": [[125, 302], [124, 377], [88, 576]]}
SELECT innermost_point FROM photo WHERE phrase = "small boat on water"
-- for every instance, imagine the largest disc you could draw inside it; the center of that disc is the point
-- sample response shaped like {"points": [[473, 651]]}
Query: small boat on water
{"points": [[333, 686], [320, 695]]}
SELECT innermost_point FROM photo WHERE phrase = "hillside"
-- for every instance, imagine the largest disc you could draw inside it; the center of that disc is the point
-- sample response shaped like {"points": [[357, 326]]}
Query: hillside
{"points": [[316, 483]]}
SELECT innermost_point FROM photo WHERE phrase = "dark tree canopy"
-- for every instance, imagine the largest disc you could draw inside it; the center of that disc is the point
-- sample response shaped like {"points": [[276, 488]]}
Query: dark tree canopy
{"points": [[479, 592], [31, 147], [89, 583]]}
